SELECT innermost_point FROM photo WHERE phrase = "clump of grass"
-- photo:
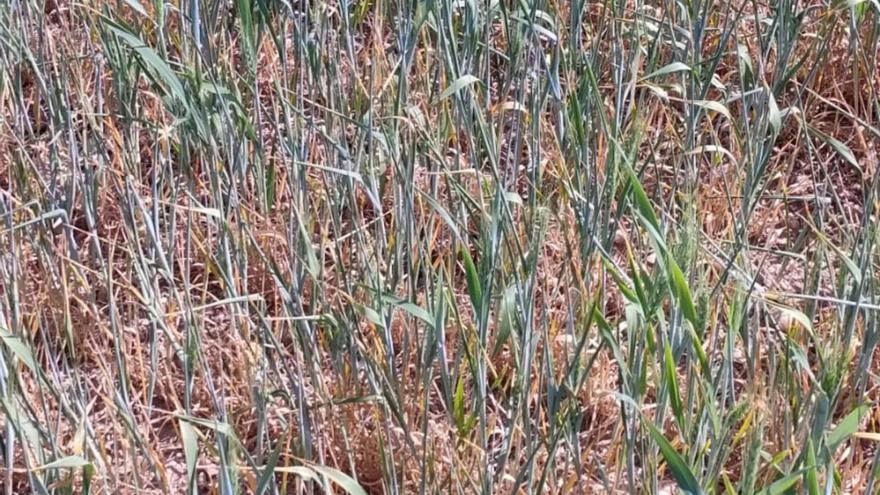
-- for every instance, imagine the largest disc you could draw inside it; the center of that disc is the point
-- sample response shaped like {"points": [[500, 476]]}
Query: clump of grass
{"points": [[405, 246]]}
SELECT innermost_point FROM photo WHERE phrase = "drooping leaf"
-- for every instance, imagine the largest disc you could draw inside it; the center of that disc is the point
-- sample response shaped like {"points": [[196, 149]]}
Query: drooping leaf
{"points": [[714, 106], [137, 7], [152, 61], [411, 308], [444, 215], [682, 474], [642, 202], [343, 480], [373, 316], [458, 84], [20, 350], [783, 484], [304, 472], [839, 147], [71, 461], [311, 472], [846, 428], [668, 69]]}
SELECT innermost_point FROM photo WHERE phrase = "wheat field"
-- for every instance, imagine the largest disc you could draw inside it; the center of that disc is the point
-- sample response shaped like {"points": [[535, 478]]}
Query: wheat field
{"points": [[439, 246]]}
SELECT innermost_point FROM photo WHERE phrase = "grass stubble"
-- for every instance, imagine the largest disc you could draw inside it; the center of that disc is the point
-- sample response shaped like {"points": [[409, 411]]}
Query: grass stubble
{"points": [[399, 246]]}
